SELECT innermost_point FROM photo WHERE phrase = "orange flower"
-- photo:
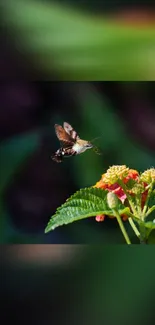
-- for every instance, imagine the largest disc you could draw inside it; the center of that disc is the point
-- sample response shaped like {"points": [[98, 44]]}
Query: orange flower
{"points": [[144, 196], [115, 188], [133, 174]]}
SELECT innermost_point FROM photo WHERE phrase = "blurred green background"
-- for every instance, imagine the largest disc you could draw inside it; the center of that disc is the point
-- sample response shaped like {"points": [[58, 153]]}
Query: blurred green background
{"points": [[32, 185], [86, 40], [77, 284]]}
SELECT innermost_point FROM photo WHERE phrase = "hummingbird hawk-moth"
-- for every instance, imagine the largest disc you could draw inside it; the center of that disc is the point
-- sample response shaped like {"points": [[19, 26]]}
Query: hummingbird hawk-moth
{"points": [[71, 144]]}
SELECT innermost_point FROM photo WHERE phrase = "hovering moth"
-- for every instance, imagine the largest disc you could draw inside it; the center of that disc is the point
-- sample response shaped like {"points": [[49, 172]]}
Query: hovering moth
{"points": [[70, 142]]}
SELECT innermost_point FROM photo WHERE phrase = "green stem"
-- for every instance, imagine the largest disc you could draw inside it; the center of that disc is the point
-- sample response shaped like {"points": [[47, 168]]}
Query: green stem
{"points": [[128, 197], [142, 234], [147, 200], [138, 201], [150, 210], [136, 231], [122, 227]]}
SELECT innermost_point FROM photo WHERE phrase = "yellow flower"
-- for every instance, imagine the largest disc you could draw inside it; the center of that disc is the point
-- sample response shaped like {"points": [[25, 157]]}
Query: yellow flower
{"points": [[148, 176], [114, 173]]}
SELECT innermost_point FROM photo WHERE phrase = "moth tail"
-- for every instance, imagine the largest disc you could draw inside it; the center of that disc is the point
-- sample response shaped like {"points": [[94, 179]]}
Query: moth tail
{"points": [[56, 158]]}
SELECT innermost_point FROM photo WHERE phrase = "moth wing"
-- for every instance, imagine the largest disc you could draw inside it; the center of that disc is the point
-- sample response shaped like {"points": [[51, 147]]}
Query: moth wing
{"points": [[64, 138], [69, 129]]}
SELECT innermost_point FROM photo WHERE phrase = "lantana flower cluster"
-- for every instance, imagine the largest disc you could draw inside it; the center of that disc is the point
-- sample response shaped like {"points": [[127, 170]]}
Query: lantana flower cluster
{"points": [[123, 181]]}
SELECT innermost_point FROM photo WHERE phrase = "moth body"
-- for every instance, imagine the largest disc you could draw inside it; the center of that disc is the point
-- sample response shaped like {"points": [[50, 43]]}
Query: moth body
{"points": [[81, 146], [71, 144]]}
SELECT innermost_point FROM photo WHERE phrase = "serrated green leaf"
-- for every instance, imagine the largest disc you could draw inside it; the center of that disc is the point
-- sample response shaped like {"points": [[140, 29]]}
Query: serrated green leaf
{"points": [[87, 202]]}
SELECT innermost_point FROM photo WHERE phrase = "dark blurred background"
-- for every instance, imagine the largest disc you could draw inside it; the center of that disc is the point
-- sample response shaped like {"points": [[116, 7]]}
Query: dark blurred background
{"points": [[46, 40]]}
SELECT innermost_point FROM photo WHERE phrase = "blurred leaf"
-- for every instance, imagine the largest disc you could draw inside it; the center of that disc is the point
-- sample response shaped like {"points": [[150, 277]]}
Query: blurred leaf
{"points": [[150, 225], [98, 118], [13, 153], [151, 202], [147, 228], [85, 203], [78, 46], [151, 237]]}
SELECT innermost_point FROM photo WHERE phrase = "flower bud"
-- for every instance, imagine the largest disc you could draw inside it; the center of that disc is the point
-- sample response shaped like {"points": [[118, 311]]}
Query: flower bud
{"points": [[100, 218], [112, 200]]}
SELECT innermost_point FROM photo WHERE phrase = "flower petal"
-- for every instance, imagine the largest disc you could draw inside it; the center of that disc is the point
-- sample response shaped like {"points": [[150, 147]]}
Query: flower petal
{"points": [[100, 218]]}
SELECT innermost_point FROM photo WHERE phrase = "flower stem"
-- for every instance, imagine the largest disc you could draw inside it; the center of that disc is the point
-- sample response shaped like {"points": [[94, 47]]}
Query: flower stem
{"points": [[128, 197], [122, 227], [134, 227], [142, 234], [147, 200], [150, 210]]}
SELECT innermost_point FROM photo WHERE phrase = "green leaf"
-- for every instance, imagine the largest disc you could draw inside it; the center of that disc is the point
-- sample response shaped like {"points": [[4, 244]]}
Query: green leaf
{"points": [[87, 202], [130, 184], [78, 46], [150, 225]]}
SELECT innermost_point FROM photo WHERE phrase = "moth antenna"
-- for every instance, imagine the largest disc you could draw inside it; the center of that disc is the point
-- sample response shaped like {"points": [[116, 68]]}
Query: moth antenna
{"points": [[96, 138]]}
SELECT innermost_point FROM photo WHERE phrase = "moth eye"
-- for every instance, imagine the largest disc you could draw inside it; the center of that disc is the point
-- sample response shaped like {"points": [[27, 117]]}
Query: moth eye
{"points": [[89, 145]]}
